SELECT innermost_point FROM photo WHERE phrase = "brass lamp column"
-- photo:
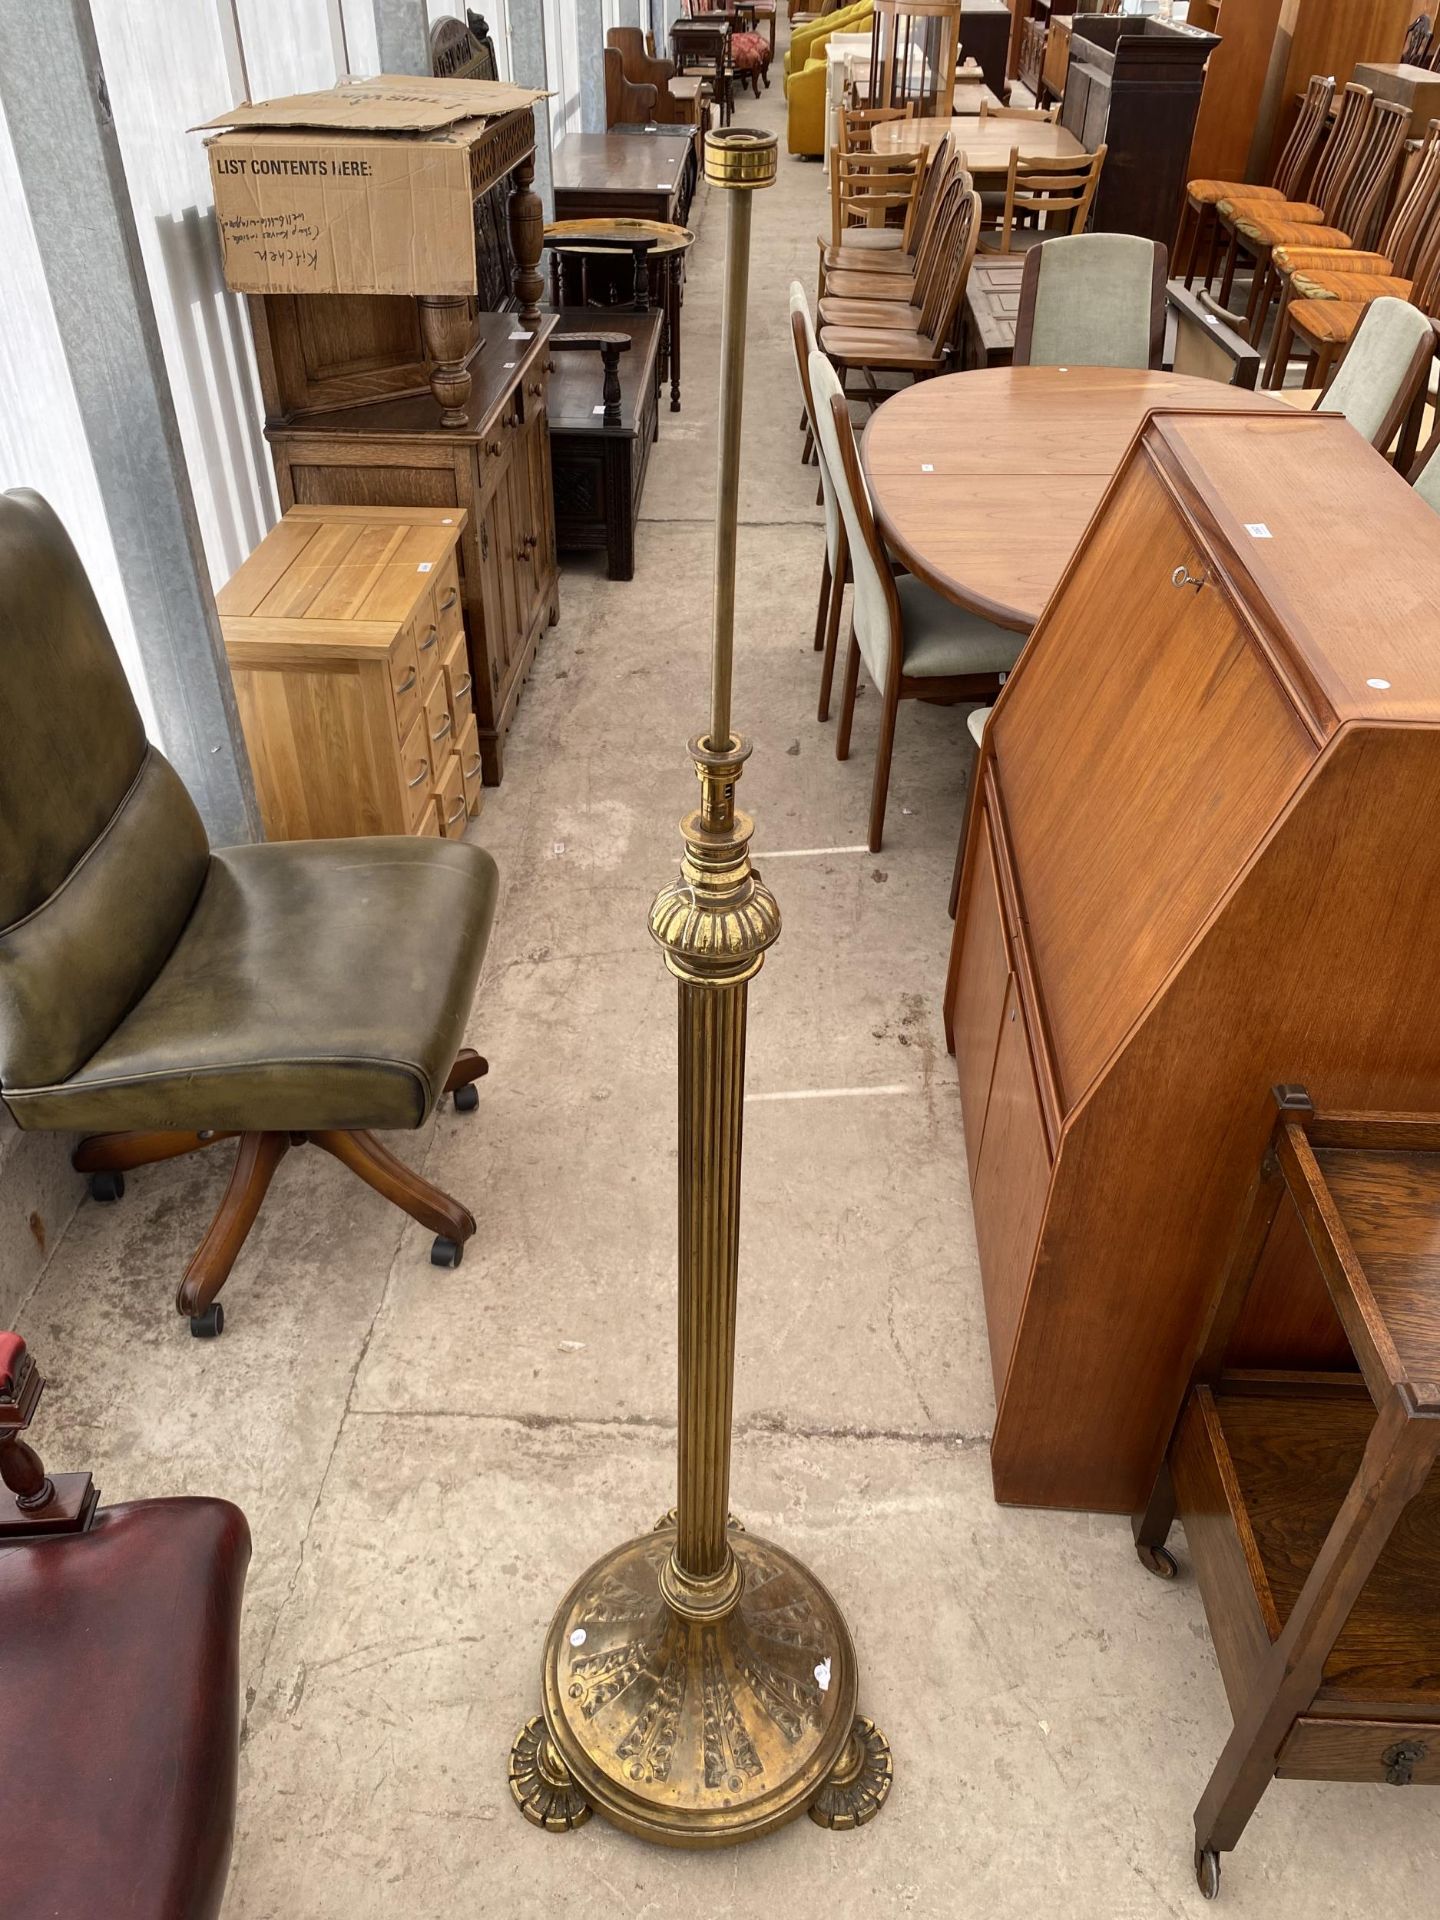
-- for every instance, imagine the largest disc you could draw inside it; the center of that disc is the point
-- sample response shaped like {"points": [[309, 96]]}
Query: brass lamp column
{"points": [[700, 1683]]}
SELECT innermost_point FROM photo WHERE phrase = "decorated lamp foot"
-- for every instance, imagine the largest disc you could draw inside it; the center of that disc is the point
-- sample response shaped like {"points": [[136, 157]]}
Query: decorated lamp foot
{"points": [[860, 1784], [541, 1783]]}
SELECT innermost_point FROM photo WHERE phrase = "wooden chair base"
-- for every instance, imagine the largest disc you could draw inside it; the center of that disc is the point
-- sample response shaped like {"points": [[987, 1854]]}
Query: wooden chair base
{"points": [[107, 1157]]}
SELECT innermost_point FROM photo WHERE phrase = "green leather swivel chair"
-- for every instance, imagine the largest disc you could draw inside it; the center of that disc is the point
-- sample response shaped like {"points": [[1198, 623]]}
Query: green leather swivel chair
{"points": [[160, 995]]}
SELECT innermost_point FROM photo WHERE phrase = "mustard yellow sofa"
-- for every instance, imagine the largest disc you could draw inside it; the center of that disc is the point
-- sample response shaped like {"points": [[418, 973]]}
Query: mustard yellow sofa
{"points": [[805, 76]]}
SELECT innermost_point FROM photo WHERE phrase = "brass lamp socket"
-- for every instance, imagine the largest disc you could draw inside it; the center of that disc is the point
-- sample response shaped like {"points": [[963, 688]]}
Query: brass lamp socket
{"points": [[741, 157]]}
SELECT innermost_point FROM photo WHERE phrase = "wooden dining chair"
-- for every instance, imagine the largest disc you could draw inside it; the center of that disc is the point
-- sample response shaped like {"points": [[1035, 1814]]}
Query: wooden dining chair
{"points": [[1334, 170], [922, 349], [1092, 300], [875, 190], [1353, 274], [899, 301], [1198, 217], [915, 644], [988, 112], [857, 124], [880, 249], [835, 572], [1380, 384], [1359, 213], [1044, 197]]}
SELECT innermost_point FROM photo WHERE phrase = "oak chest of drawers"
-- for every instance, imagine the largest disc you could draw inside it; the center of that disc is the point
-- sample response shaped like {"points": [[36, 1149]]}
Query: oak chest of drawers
{"points": [[1202, 860], [346, 640]]}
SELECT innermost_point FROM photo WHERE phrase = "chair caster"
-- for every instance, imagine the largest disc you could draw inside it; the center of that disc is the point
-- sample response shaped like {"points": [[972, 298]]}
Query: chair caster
{"points": [[445, 1253], [1161, 1562], [466, 1098], [1207, 1872], [210, 1324], [106, 1187]]}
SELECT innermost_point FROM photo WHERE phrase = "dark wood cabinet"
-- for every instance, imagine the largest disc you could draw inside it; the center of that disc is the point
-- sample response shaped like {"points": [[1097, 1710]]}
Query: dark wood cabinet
{"points": [[496, 467], [1203, 859], [1134, 85]]}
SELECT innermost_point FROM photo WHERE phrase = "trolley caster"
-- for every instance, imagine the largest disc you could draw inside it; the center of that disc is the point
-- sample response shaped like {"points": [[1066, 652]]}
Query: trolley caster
{"points": [[445, 1253], [210, 1324], [466, 1098], [1207, 1871], [1157, 1560], [106, 1187]]}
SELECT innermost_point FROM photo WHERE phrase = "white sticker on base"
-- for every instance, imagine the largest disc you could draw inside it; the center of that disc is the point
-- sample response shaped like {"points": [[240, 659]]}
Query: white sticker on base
{"points": [[1380, 686], [425, 566], [1258, 530], [927, 468]]}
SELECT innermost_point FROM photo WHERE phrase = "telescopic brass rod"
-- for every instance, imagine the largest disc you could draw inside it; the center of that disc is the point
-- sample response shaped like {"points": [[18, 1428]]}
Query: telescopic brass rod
{"points": [[732, 394]]}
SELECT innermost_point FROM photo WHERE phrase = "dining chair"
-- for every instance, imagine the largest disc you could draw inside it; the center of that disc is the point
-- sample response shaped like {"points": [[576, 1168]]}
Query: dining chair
{"points": [[1092, 300], [1198, 217], [160, 996], [880, 249], [916, 645], [1334, 170], [1380, 384], [835, 573], [872, 192], [1044, 198], [1425, 478], [1354, 275], [899, 301], [987, 112], [857, 124], [923, 349], [1358, 215]]}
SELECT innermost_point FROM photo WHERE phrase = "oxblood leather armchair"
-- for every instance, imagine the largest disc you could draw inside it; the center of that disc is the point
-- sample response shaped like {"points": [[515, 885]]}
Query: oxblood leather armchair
{"points": [[166, 996], [119, 1688]]}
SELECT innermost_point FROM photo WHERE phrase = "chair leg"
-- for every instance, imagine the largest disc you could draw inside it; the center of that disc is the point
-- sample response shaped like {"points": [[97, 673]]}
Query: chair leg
{"points": [[1279, 361], [260, 1154], [847, 697], [368, 1157], [832, 640], [808, 448], [1258, 304], [822, 612], [1212, 257], [1151, 1527], [1227, 278], [880, 787]]}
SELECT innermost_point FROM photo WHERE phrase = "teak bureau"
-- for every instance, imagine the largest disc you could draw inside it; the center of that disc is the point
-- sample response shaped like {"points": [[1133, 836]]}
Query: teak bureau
{"points": [[1202, 859]]}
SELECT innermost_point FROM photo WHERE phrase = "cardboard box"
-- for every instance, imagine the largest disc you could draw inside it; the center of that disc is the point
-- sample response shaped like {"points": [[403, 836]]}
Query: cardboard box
{"points": [[366, 188]]}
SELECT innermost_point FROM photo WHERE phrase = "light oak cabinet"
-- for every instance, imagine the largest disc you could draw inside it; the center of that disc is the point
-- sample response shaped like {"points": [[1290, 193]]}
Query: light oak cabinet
{"points": [[1202, 859], [346, 641]]}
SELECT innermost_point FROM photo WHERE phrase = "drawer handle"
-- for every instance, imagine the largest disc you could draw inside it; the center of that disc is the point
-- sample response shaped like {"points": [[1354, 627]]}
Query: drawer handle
{"points": [[535, 389], [1182, 577], [464, 687], [423, 774], [472, 772], [549, 366], [445, 725], [511, 420], [492, 447], [449, 600], [408, 682], [425, 645], [458, 814]]}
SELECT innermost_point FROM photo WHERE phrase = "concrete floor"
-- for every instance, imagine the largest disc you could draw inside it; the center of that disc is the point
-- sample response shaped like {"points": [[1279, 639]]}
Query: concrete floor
{"points": [[428, 1460]]}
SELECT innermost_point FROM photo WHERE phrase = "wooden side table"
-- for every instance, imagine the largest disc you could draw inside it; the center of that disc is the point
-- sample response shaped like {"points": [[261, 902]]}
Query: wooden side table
{"points": [[658, 251], [346, 642], [1311, 1512]]}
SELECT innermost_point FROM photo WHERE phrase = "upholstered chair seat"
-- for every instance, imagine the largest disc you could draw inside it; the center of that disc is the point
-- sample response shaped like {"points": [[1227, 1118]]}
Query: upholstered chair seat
{"points": [[941, 640], [246, 1026]]}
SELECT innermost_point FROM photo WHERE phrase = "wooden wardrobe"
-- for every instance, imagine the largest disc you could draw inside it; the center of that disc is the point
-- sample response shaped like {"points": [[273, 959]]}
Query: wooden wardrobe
{"points": [[1202, 859]]}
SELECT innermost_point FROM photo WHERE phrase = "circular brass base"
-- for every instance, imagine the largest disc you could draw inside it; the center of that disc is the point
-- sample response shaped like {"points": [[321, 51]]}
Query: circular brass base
{"points": [[699, 1733]]}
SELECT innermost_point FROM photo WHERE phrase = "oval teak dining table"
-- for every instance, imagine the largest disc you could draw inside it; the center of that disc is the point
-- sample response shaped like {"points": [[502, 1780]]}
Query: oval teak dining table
{"points": [[983, 482], [986, 144]]}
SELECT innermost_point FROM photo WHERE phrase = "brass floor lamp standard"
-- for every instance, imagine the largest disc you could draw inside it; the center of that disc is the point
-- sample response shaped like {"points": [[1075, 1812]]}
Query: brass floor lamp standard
{"points": [[700, 1684]]}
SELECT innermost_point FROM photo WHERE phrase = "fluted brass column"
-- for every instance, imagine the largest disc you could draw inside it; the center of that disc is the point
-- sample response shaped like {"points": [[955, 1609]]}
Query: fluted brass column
{"points": [[700, 1683]]}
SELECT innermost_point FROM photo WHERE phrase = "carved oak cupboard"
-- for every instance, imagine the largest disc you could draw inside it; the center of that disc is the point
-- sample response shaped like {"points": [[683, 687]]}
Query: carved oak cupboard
{"points": [[1202, 858]]}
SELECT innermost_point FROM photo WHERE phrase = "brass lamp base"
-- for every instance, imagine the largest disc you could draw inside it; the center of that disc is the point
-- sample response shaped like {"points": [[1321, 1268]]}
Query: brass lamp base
{"points": [[699, 1732]]}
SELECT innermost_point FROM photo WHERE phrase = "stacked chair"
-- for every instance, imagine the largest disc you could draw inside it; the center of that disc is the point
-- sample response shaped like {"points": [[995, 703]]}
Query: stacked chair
{"points": [[1360, 209], [902, 321], [877, 205], [1043, 198], [1327, 290], [1200, 219], [1380, 385]]}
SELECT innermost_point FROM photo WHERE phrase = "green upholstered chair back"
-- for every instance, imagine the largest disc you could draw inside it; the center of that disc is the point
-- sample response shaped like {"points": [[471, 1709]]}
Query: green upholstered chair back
{"points": [[102, 853], [800, 309], [1092, 300], [875, 610], [1427, 481], [1378, 378]]}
